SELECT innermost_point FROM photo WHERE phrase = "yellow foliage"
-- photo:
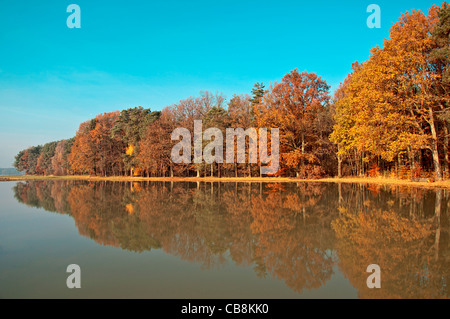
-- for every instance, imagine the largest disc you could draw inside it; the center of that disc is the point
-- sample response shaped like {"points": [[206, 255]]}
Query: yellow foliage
{"points": [[130, 209], [130, 150], [137, 171]]}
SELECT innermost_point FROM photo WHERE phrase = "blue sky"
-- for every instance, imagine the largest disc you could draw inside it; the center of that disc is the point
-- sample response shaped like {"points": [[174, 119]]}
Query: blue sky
{"points": [[155, 53]]}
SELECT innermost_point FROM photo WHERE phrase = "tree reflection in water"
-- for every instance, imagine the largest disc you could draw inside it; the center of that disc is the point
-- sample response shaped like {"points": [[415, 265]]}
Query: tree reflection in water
{"points": [[297, 232]]}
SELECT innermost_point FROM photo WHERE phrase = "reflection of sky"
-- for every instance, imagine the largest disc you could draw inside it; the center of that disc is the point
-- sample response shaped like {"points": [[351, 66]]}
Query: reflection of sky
{"points": [[39, 245], [154, 53]]}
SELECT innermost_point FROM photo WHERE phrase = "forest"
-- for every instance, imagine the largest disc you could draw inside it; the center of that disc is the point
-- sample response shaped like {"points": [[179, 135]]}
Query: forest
{"points": [[390, 117]]}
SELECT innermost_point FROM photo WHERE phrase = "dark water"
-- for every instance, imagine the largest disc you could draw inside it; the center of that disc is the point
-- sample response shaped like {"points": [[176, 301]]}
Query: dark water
{"points": [[222, 240]]}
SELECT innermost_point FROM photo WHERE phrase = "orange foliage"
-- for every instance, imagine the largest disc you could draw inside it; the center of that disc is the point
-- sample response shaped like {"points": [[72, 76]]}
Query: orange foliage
{"points": [[374, 171], [130, 150]]}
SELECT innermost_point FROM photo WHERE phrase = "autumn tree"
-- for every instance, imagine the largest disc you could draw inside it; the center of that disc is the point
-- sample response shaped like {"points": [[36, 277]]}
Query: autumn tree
{"points": [[440, 60], [295, 106], [344, 118], [57, 159], [216, 117], [186, 111], [130, 128], [240, 114], [366, 125], [44, 161], [27, 160], [60, 162], [21, 161], [390, 106], [95, 150], [156, 145], [411, 44]]}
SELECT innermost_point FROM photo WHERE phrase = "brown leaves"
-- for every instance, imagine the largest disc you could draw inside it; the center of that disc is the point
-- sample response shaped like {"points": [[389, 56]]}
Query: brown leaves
{"points": [[295, 106], [95, 151]]}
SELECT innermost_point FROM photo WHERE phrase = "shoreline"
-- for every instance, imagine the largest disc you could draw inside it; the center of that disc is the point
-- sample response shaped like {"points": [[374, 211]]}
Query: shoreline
{"points": [[352, 180]]}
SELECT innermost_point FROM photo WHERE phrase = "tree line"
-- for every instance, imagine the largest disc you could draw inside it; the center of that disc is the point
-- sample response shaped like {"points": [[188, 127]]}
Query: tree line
{"points": [[390, 116]]}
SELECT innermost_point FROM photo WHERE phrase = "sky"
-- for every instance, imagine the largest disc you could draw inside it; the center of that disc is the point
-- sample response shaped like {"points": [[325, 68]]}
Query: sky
{"points": [[156, 53]]}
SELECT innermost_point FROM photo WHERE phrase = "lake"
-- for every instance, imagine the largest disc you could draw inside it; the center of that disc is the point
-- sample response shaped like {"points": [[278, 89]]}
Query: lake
{"points": [[222, 240]]}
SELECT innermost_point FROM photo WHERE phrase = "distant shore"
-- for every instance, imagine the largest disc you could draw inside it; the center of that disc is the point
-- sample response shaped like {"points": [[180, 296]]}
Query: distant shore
{"points": [[358, 180]]}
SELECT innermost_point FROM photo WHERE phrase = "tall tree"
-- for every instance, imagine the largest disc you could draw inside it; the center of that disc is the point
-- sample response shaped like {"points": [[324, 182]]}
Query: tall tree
{"points": [[44, 161], [240, 113], [189, 110], [294, 106], [156, 145], [27, 159], [95, 150], [58, 159], [391, 105], [257, 93], [440, 59], [216, 117], [130, 128]]}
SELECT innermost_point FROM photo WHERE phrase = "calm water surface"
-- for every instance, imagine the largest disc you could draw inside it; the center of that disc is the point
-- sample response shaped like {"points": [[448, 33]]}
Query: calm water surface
{"points": [[222, 240]]}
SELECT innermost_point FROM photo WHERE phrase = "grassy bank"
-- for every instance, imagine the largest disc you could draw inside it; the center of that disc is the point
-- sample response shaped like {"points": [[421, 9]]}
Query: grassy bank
{"points": [[365, 180]]}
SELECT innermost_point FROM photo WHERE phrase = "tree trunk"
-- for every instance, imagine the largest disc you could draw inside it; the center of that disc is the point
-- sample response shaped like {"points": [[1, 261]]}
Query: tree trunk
{"points": [[339, 166], [410, 160], [303, 152], [434, 147], [396, 166], [446, 160], [362, 164]]}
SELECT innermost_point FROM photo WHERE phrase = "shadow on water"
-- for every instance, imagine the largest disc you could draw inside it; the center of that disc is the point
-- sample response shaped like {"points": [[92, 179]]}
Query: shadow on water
{"points": [[294, 232]]}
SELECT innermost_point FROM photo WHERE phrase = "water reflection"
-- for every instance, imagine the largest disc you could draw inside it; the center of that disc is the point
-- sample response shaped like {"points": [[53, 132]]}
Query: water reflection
{"points": [[298, 233]]}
